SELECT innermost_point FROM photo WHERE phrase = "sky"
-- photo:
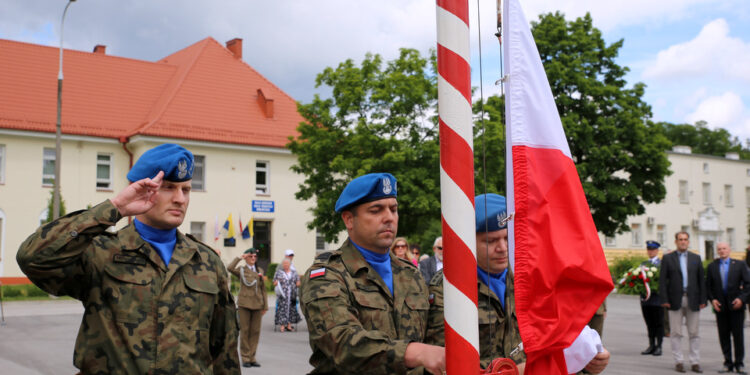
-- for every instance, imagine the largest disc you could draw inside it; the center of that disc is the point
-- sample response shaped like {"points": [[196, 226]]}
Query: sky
{"points": [[693, 55]]}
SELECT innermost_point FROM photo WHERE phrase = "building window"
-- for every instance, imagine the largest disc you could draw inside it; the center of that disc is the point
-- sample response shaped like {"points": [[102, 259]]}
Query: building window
{"points": [[610, 241], [48, 167], [728, 196], [199, 173], [748, 172], [196, 229], [747, 196], [261, 177], [705, 168], [320, 241], [683, 191], [685, 228], [661, 234], [103, 171], [730, 237], [2, 164], [707, 193], [636, 235]]}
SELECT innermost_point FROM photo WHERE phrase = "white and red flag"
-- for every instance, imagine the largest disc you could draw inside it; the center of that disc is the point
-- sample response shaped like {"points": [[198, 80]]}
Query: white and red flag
{"points": [[561, 274]]}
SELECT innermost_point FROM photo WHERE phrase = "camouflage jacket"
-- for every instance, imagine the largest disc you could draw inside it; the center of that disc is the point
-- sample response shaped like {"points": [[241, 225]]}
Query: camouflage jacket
{"points": [[140, 317], [252, 289], [498, 336], [356, 326]]}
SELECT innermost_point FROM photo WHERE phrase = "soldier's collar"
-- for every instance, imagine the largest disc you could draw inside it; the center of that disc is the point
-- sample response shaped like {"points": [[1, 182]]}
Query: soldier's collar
{"points": [[352, 258]]}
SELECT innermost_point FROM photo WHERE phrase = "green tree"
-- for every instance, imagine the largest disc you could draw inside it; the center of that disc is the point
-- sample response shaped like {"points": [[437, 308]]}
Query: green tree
{"points": [[618, 152], [50, 201], [378, 119], [703, 140]]}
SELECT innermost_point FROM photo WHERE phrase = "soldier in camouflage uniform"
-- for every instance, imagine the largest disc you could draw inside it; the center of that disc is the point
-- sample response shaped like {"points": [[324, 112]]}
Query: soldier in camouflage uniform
{"points": [[156, 301], [367, 310], [499, 336]]}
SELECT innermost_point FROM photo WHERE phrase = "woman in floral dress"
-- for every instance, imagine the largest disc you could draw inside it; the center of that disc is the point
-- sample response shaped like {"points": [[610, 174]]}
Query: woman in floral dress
{"points": [[286, 281]]}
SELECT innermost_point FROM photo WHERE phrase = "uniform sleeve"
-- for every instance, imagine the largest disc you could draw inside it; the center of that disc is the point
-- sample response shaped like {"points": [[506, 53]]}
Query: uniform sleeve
{"points": [[335, 330], [53, 256], [435, 318], [232, 267], [223, 336]]}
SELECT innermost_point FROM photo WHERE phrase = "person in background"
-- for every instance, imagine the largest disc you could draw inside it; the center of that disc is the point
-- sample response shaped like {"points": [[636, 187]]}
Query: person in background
{"points": [[431, 265], [415, 251], [728, 288], [400, 249], [286, 306], [682, 290], [653, 313], [252, 302], [289, 254], [156, 300]]}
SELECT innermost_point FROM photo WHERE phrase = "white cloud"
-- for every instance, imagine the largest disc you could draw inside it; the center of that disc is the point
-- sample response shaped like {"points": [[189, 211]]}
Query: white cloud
{"points": [[724, 111], [713, 53]]}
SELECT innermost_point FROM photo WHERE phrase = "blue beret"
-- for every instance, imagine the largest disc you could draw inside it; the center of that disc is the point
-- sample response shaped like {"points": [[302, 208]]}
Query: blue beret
{"points": [[176, 162], [366, 188], [652, 245], [491, 220]]}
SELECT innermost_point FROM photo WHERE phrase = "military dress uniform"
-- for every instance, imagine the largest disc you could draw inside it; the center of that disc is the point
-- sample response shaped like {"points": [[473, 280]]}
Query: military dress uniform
{"points": [[653, 315], [356, 325], [141, 316], [252, 302], [499, 336]]}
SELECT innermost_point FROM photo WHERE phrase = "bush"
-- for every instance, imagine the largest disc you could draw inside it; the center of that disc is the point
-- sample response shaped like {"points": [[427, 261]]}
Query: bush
{"points": [[271, 271], [622, 265], [22, 291]]}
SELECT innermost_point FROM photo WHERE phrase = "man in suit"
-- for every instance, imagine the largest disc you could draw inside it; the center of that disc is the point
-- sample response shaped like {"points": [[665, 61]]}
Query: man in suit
{"points": [[651, 308], [253, 304], [431, 265], [728, 286], [682, 291]]}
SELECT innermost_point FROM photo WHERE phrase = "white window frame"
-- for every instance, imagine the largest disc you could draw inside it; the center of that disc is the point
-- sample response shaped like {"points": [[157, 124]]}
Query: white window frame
{"points": [[705, 168], [610, 241], [684, 192], [661, 233], [199, 164], [730, 237], [48, 158], [198, 230], [263, 189], [707, 193], [728, 196], [107, 163], [2, 164], [747, 196], [636, 238]]}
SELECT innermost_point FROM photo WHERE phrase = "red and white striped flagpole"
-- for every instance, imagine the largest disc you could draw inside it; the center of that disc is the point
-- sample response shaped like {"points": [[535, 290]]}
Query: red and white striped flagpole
{"points": [[457, 188]]}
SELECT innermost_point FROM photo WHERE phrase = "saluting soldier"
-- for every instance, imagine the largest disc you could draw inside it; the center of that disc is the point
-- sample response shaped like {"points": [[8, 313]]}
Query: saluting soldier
{"points": [[252, 302], [366, 310], [156, 301], [499, 336]]}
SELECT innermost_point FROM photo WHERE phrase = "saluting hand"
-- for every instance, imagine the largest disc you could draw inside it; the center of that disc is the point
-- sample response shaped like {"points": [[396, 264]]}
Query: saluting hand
{"points": [[139, 196]]}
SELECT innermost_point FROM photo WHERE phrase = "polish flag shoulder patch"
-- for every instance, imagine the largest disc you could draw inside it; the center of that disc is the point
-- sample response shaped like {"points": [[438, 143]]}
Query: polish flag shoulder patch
{"points": [[317, 272]]}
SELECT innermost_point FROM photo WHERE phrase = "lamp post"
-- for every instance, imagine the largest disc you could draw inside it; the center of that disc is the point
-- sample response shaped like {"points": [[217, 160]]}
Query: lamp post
{"points": [[58, 132]]}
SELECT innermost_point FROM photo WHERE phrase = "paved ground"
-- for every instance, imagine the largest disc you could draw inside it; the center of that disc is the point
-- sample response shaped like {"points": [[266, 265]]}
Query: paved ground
{"points": [[38, 338]]}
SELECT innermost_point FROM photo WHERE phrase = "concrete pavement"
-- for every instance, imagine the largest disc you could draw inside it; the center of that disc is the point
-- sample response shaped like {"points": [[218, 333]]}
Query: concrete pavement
{"points": [[40, 335]]}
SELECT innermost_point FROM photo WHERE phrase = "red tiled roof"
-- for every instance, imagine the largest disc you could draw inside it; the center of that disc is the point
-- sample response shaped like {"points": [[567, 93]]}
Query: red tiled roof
{"points": [[201, 93]]}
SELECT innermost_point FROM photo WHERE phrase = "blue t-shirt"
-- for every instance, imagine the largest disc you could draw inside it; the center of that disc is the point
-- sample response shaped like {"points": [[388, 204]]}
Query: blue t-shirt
{"points": [[380, 262], [163, 240], [496, 282]]}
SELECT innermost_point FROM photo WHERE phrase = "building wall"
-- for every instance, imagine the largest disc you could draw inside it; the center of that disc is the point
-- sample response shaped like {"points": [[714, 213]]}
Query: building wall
{"points": [[229, 188], [707, 221]]}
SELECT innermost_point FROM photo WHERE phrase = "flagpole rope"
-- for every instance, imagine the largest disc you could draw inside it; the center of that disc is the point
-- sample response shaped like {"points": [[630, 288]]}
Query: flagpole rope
{"points": [[457, 187]]}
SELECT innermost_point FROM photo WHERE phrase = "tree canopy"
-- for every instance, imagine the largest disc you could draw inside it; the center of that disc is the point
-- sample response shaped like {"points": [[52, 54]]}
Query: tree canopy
{"points": [[703, 140], [380, 117]]}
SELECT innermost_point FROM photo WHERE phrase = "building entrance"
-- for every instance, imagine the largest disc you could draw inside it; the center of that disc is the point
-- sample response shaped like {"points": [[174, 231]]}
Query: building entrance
{"points": [[262, 242]]}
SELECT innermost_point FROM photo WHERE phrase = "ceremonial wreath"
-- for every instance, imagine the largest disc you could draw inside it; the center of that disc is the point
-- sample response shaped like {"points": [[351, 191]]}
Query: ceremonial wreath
{"points": [[642, 280]]}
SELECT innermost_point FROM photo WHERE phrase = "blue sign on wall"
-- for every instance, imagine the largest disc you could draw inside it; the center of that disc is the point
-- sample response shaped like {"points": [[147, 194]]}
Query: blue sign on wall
{"points": [[262, 206]]}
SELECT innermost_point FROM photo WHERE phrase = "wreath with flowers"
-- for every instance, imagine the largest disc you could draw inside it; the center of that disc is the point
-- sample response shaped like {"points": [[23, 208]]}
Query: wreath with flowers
{"points": [[643, 280]]}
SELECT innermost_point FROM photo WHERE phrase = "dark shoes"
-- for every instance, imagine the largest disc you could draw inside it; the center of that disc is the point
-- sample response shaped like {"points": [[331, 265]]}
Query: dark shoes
{"points": [[657, 350], [725, 369], [696, 368], [251, 364], [740, 369], [679, 367], [649, 350]]}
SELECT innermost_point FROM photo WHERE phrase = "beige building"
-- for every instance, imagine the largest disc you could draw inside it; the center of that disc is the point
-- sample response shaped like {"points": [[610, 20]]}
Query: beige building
{"points": [[203, 97], [707, 197]]}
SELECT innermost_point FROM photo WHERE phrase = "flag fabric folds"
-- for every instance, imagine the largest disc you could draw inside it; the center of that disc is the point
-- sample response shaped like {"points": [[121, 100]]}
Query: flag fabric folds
{"points": [[229, 227], [246, 231], [561, 275]]}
